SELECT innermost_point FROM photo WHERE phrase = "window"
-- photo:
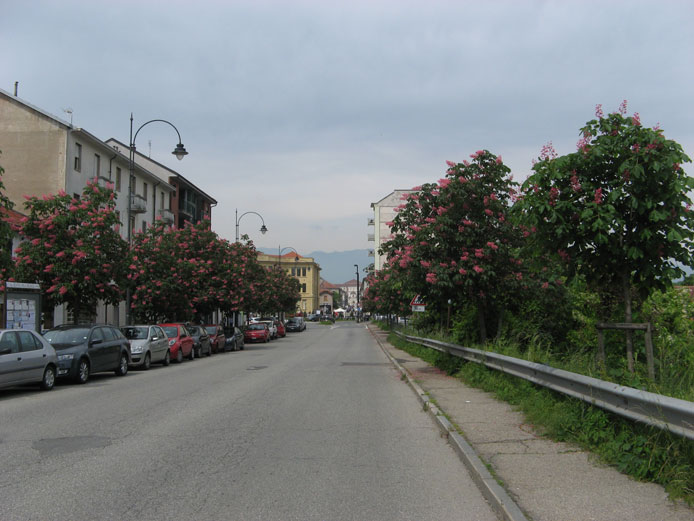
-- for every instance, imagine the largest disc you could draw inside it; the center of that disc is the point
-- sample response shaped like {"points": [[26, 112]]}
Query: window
{"points": [[132, 223], [78, 157], [9, 341], [303, 288], [133, 184], [118, 174], [96, 334], [161, 201], [109, 334], [303, 272], [97, 165], [29, 342], [144, 190], [144, 226]]}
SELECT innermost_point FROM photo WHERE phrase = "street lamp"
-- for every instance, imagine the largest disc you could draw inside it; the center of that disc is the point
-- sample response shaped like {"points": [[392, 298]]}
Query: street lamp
{"points": [[358, 313], [263, 229], [180, 152], [279, 254]]}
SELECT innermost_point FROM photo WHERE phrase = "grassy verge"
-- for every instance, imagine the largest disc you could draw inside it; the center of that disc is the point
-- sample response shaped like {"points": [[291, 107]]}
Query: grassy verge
{"points": [[645, 453]]}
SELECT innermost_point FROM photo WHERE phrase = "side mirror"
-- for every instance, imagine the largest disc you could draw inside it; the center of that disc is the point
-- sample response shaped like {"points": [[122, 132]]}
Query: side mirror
{"points": [[95, 342]]}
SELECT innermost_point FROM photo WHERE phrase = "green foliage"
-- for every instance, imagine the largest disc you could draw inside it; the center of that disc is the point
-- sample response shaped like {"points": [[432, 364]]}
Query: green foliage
{"points": [[5, 230]]}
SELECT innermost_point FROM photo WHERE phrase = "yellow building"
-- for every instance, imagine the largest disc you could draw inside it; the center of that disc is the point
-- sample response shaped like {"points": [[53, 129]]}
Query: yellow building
{"points": [[305, 270]]}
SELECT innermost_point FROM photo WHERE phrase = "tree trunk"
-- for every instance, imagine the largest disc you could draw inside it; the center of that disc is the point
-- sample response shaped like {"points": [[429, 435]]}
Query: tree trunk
{"points": [[481, 323], [500, 325], [627, 318]]}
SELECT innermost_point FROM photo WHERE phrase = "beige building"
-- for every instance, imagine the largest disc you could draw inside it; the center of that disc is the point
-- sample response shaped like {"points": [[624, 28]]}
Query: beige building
{"points": [[384, 212], [305, 270]]}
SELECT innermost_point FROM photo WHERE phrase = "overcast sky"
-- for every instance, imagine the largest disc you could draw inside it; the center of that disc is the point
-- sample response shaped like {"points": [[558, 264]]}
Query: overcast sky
{"points": [[307, 112]]}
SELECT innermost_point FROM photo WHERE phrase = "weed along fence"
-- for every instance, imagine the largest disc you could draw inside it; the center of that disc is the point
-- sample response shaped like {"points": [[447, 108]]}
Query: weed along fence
{"points": [[664, 412]]}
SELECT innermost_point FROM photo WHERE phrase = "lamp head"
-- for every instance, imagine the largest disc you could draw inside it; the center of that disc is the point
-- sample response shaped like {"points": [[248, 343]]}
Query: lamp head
{"points": [[263, 229], [180, 151]]}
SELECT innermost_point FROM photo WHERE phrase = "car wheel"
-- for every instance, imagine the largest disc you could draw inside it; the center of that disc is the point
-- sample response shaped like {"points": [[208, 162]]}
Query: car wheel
{"points": [[209, 350], [82, 371], [243, 345], [48, 380], [191, 356], [123, 365], [179, 355], [147, 363], [167, 358]]}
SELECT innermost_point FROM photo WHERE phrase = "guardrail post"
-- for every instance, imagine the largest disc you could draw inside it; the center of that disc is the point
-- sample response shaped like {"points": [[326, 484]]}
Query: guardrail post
{"points": [[649, 352]]}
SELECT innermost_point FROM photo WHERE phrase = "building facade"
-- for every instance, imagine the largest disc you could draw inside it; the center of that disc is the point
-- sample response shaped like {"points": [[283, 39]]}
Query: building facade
{"points": [[305, 270], [384, 212]]}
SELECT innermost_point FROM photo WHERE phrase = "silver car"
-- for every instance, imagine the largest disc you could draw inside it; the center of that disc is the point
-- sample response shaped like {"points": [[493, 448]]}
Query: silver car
{"points": [[148, 345], [26, 357]]}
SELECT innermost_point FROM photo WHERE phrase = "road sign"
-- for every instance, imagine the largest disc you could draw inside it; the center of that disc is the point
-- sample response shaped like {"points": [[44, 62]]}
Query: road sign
{"points": [[418, 304]]}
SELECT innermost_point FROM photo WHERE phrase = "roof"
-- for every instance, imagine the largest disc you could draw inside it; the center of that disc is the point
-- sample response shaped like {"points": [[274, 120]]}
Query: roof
{"points": [[11, 216]]}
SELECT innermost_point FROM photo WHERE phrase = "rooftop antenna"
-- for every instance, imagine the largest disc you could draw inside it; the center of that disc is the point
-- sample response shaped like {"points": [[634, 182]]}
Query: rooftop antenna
{"points": [[16, 88], [69, 111]]}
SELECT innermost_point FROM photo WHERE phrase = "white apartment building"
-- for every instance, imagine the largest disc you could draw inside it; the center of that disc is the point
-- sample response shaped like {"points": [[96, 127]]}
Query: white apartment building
{"points": [[43, 154], [384, 212]]}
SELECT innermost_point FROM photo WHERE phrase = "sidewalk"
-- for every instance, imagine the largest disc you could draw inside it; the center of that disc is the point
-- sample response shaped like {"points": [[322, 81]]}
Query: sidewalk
{"points": [[549, 481]]}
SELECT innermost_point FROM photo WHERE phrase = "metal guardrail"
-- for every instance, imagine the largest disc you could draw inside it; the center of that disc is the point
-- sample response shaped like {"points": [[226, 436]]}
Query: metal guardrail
{"points": [[664, 412]]}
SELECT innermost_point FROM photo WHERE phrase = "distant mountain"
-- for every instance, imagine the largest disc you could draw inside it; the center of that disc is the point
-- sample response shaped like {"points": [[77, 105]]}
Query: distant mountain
{"points": [[337, 266]]}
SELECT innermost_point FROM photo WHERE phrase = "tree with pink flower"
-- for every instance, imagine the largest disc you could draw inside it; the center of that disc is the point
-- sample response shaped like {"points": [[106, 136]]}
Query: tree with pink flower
{"points": [[71, 246], [616, 211]]}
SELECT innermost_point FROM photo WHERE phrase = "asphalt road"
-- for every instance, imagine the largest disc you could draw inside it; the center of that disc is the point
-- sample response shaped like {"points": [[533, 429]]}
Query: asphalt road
{"points": [[315, 426]]}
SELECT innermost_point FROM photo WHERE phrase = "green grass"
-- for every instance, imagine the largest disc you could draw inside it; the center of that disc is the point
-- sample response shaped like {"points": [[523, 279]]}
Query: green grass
{"points": [[643, 452]]}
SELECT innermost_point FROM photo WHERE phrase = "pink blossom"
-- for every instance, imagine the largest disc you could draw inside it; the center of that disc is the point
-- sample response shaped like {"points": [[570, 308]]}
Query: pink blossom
{"points": [[450, 163], [478, 269], [598, 196], [489, 212], [545, 285], [431, 278], [499, 160], [623, 107], [462, 271], [425, 264], [636, 119], [62, 290], [598, 111]]}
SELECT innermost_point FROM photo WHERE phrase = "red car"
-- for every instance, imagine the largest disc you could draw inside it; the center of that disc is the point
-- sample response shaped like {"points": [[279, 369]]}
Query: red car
{"points": [[281, 330], [217, 338], [180, 341], [256, 332]]}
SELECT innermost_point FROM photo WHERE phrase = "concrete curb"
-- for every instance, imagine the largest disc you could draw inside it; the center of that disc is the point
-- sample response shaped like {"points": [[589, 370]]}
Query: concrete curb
{"points": [[504, 507]]}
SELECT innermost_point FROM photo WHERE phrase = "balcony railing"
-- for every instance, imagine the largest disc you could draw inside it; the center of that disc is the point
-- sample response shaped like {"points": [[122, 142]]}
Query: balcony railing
{"points": [[138, 204], [166, 215], [104, 181], [370, 221], [371, 237]]}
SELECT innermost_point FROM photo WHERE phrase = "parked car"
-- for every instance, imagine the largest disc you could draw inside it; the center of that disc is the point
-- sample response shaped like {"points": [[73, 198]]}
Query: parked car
{"points": [[313, 318], [180, 341], [256, 332], [295, 324], [148, 345], [234, 339], [86, 349], [217, 337], [270, 323], [201, 340], [26, 357], [281, 330]]}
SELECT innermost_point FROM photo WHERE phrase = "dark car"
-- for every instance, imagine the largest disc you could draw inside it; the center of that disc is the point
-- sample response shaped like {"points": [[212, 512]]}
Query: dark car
{"points": [[201, 340], [217, 339], [86, 349], [295, 324], [234, 339]]}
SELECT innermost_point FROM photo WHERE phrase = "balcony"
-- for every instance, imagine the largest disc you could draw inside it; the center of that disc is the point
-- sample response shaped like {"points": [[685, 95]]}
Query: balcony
{"points": [[371, 221], [371, 237], [371, 253], [166, 215], [138, 204]]}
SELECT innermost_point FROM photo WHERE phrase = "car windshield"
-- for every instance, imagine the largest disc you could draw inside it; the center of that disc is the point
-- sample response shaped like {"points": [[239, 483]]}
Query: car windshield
{"points": [[194, 330], [171, 331], [73, 336], [135, 332], [256, 326], [292, 321], [211, 329]]}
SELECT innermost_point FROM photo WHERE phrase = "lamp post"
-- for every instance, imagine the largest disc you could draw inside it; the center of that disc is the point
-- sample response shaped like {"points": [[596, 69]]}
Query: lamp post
{"points": [[263, 228], [279, 254], [180, 152], [358, 311]]}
